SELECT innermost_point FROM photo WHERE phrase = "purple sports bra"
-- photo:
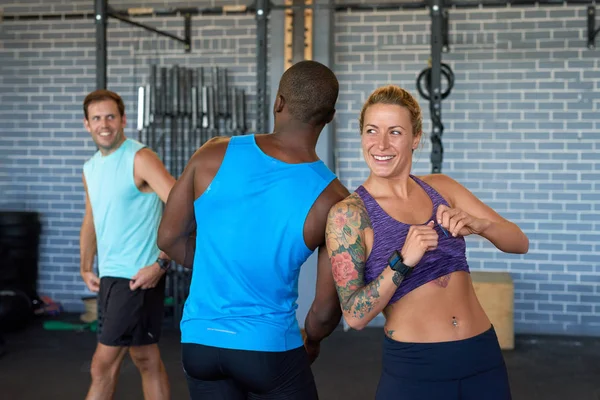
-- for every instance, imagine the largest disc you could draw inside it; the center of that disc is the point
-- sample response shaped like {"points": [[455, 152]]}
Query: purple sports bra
{"points": [[390, 234]]}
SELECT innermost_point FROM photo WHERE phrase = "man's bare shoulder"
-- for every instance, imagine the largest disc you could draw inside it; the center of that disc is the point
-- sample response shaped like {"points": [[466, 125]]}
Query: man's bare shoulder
{"points": [[146, 161], [211, 153], [334, 193], [145, 155]]}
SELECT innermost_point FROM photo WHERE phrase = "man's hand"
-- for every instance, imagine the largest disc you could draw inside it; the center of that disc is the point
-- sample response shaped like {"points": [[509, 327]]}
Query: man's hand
{"points": [[312, 348], [91, 281], [460, 223], [147, 277]]}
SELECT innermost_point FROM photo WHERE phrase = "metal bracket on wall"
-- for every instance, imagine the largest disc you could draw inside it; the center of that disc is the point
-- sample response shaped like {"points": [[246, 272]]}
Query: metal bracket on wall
{"points": [[187, 20], [592, 31], [101, 14], [445, 36]]}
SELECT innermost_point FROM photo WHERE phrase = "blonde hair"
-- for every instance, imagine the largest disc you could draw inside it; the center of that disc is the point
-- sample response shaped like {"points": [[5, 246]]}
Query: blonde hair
{"points": [[395, 95]]}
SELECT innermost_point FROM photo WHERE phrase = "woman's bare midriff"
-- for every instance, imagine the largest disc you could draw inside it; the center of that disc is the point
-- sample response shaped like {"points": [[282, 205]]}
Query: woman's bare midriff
{"points": [[443, 310]]}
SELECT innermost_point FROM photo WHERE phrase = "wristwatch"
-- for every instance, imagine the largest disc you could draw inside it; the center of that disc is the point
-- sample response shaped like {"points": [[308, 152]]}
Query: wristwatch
{"points": [[396, 263], [164, 263]]}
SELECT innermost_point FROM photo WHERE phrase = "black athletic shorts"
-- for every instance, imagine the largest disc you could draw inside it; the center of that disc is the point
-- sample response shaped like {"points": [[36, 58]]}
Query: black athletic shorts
{"points": [[129, 318], [214, 373]]}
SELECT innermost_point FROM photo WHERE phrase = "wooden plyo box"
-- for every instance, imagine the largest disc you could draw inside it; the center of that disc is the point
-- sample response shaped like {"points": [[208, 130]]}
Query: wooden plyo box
{"points": [[495, 292]]}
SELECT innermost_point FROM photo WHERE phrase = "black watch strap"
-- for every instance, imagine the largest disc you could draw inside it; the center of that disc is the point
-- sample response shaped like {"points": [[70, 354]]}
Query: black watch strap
{"points": [[396, 263], [164, 263]]}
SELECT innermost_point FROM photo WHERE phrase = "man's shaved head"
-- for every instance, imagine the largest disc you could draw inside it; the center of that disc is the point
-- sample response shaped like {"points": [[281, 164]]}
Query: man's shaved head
{"points": [[310, 91]]}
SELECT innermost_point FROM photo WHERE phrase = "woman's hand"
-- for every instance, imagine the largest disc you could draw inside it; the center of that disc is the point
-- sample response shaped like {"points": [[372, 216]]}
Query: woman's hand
{"points": [[460, 223], [419, 239]]}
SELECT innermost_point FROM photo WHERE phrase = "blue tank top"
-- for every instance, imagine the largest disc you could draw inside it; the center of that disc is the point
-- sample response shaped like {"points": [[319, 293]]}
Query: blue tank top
{"points": [[249, 250], [125, 219], [390, 234]]}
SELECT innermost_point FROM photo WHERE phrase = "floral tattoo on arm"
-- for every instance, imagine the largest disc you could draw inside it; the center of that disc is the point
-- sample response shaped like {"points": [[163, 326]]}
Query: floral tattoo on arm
{"points": [[347, 251]]}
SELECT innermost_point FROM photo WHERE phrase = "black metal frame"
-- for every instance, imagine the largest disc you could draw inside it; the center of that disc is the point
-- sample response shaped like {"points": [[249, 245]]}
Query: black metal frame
{"points": [[102, 13], [426, 3], [237, 9], [591, 24], [262, 8], [435, 89]]}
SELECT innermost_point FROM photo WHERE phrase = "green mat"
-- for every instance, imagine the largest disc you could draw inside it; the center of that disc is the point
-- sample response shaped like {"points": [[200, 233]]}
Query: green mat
{"points": [[68, 326]]}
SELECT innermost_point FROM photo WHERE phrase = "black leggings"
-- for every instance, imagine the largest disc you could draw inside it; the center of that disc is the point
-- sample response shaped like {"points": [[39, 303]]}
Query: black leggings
{"points": [[470, 369], [223, 374]]}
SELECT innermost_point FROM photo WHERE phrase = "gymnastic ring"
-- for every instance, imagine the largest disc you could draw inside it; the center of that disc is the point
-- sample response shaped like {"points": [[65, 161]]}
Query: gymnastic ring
{"points": [[426, 73]]}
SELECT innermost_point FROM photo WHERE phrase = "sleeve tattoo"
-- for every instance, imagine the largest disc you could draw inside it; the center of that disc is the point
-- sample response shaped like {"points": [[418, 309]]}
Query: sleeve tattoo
{"points": [[346, 224]]}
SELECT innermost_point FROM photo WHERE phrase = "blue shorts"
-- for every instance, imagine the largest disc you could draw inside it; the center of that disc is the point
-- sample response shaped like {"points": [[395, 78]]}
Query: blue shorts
{"points": [[464, 369]]}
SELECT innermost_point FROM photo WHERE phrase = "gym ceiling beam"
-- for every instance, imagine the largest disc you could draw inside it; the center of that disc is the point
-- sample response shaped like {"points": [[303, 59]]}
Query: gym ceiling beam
{"points": [[242, 9]]}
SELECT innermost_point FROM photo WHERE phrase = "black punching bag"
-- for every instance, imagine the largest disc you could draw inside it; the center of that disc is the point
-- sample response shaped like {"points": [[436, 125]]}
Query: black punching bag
{"points": [[19, 252], [16, 310]]}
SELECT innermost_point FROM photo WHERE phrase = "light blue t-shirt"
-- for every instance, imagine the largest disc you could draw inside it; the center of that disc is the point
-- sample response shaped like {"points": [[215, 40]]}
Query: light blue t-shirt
{"points": [[126, 220], [249, 250]]}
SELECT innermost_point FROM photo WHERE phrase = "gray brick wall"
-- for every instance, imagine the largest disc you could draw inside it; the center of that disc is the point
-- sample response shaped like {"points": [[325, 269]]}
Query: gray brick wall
{"points": [[521, 132], [521, 127], [47, 68]]}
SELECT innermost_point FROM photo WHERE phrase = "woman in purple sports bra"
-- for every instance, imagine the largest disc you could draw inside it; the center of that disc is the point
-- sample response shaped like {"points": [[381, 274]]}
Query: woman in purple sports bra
{"points": [[397, 246]]}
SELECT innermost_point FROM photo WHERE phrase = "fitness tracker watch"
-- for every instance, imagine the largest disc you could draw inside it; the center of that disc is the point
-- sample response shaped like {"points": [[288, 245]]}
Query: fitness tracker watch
{"points": [[396, 263], [163, 263]]}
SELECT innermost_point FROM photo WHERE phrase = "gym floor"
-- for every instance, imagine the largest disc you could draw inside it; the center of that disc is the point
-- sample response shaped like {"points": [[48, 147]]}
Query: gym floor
{"points": [[43, 364]]}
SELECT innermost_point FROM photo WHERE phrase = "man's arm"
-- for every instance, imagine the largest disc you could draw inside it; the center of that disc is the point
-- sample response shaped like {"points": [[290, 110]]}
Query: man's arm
{"points": [[176, 233], [151, 171], [88, 246], [325, 313]]}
